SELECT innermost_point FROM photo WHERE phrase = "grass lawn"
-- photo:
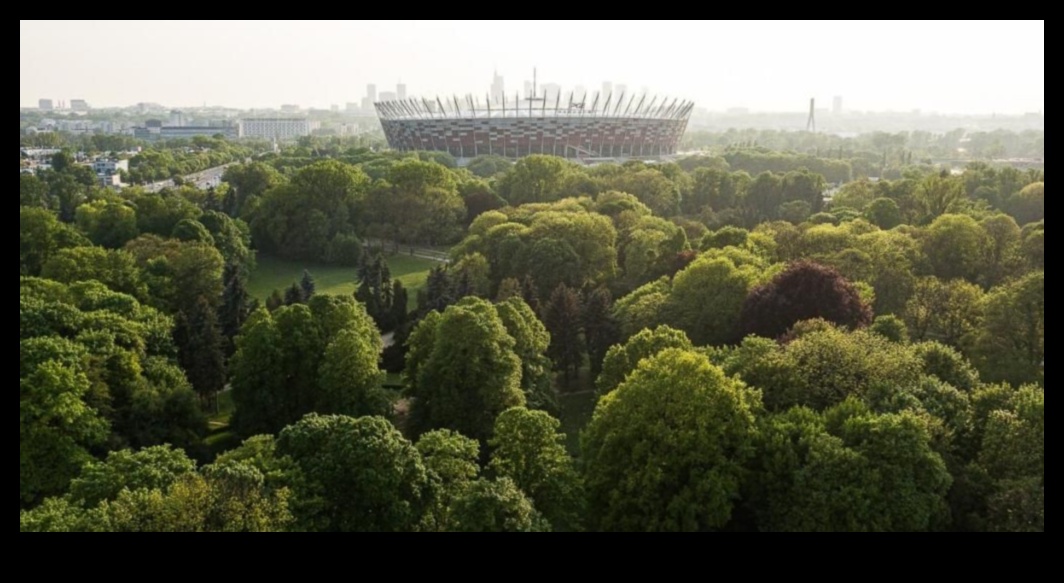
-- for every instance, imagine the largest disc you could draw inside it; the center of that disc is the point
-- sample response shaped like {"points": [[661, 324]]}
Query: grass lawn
{"points": [[277, 274]]}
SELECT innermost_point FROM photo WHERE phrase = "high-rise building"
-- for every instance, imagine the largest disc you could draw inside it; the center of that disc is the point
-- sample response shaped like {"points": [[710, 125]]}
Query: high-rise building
{"points": [[607, 89], [388, 96], [836, 105], [528, 89], [400, 91], [498, 87], [79, 105], [551, 91], [371, 93], [46, 105], [620, 90], [177, 119]]}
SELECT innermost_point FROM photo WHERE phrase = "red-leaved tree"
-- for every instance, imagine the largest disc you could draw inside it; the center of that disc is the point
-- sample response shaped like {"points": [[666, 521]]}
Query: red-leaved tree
{"points": [[804, 291]]}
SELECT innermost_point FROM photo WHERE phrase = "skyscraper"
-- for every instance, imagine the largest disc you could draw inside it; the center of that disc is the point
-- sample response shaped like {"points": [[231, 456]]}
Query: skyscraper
{"points": [[400, 90], [498, 87], [836, 105], [607, 89], [371, 93]]}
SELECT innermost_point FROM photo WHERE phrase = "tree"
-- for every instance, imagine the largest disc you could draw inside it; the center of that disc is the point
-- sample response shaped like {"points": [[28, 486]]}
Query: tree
{"points": [[804, 291], [306, 285], [528, 449], [823, 366], [56, 424], [652, 188], [201, 351], [562, 317], [419, 203], [299, 220], [884, 213], [665, 452], [1028, 205], [375, 291], [949, 312], [707, 300], [115, 269], [360, 474], [41, 236], [535, 179], [248, 182], [350, 376], [462, 371], [153, 468], [497, 506], [400, 305], [179, 274], [531, 343], [600, 328], [1011, 345], [451, 462], [938, 195], [192, 231], [108, 223], [234, 310], [849, 470], [954, 245], [622, 360], [293, 296]]}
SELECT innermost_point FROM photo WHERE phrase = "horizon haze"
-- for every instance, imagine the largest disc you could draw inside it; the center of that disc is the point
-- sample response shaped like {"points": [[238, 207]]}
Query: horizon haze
{"points": [[953, 67]]}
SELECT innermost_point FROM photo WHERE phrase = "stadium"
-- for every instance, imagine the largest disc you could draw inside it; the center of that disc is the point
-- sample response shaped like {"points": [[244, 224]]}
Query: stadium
{"points": [[603, 128]]}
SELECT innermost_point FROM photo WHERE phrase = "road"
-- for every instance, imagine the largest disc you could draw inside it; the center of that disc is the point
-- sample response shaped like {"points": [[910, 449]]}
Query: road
{"points": [[212, 177]]}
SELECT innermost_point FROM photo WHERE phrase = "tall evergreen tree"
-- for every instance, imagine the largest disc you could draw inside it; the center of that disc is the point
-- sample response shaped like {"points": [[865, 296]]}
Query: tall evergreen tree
{"points": [[439, 292], [562, 317], [274, 302], [235, 305], [600, 328], [530, 295], [375, 291], [201, 349], [307, 286], [400, 298], [294, 295]]}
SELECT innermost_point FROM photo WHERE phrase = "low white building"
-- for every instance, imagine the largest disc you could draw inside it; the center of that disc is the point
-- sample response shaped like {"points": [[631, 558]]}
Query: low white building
{"points": [[106, 167], [280, 129]]}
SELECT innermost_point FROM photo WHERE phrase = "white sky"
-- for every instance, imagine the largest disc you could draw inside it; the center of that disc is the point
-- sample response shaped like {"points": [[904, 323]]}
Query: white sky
{"points": [[947, 66]]}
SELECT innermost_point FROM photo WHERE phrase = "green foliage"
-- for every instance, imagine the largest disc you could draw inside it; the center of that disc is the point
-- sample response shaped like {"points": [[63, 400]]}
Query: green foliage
{"points": [[361, 475], [298, 220], [954, 245], [848, 470], [562, 316], [462, 371], [892, 328], [666, 450], [115, 269], [1028, 205], [108, 223], [823, 368], [41, 236], [949, 312], [884, 213], [622, 360], [154, 468], [535, 179], [320, 357], [497, 506], [707, 300], [1011, 345], [532, 342], [528, 449]]}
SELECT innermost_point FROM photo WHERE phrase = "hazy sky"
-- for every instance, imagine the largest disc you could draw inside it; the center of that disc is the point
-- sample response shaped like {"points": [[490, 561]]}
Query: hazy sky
{"points": [[948, 66]]}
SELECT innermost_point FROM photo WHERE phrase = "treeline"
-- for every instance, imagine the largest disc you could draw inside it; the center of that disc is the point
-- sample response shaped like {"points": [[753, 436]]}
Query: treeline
{"points": [[176, 160], [764, 357], [958, 144]]}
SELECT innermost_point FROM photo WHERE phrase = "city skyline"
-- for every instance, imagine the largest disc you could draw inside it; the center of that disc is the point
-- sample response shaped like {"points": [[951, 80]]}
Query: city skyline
{"points": [[262, 64]]}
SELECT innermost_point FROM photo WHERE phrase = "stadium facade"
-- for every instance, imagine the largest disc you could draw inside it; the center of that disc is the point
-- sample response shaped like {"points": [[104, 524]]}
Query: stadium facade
{"points": [[606, 127]]}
